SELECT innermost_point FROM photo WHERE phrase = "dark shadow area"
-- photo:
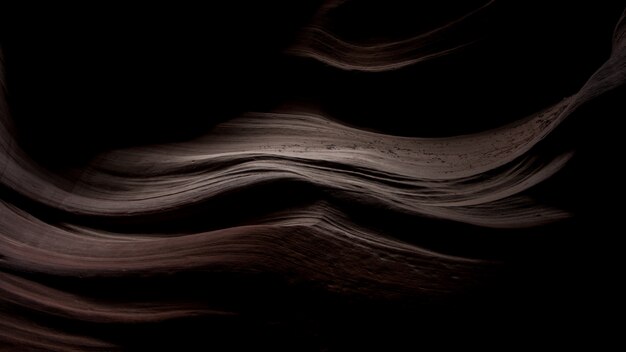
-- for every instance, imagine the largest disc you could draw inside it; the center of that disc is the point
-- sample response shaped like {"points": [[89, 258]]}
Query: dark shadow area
{"points": [[528, 56], [88, 78]]}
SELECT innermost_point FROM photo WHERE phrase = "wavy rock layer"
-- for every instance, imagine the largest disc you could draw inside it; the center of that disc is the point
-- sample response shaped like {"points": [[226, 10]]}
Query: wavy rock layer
{"points": [[201, 232]]}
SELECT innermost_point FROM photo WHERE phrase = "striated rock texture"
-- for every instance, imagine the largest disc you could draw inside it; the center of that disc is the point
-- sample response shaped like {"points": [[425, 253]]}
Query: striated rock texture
{"points": [[329, 175]]}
